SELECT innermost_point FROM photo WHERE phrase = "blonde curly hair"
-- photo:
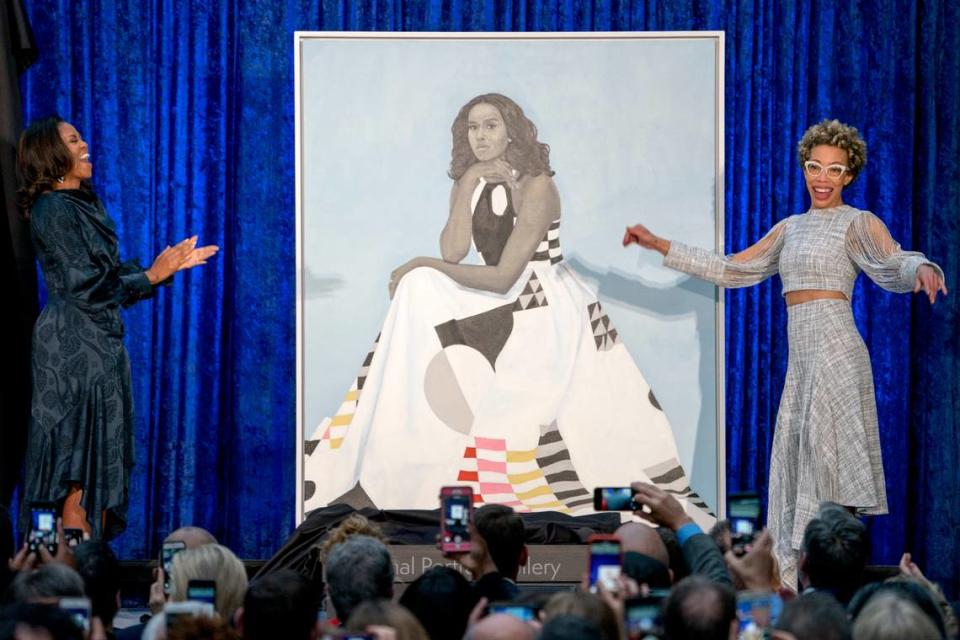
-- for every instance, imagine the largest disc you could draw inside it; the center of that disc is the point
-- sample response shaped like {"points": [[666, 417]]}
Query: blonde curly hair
{"points": [[835, 134], [356, 524]]}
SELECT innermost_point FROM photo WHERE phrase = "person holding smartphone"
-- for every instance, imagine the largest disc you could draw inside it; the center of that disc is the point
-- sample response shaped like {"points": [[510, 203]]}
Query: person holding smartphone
{"points": [[702, 555], [497, 551], [80, 439]]}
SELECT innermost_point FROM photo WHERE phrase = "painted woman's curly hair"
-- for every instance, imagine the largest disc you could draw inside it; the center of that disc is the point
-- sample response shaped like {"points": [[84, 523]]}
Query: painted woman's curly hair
{"points": [[835, 134], [524, 153]]}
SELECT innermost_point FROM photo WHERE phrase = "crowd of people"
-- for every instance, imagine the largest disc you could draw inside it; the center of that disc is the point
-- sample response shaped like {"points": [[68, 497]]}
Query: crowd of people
{"points": [[684, 582]]}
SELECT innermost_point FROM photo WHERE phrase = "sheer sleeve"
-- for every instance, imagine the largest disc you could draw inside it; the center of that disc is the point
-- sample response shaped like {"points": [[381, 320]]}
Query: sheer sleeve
{"points": [[871, 247], [750, 266]]}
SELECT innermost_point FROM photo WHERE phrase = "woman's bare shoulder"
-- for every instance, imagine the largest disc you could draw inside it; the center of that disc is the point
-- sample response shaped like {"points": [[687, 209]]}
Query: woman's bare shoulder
{"points": [[540, 192]]}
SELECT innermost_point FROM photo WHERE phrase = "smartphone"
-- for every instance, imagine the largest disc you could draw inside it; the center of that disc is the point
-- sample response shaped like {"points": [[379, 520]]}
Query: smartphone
{"points": [[606, 559], [519, 610], [43, 527], [757, 612], [202, 591], [73, 537], [743, 512], [169, 550], [643, 616], [614, 499], [79, 611], [456, 513], [347, 635]]}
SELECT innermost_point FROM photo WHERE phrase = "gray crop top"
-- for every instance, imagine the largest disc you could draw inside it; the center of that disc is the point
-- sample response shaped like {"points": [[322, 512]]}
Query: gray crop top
{"points": [[822, 249]]}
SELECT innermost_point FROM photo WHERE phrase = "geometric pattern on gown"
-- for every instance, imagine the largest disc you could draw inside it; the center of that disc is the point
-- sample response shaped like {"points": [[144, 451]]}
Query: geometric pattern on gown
{"points": [[335, 428], [604, 335], [670, 477], [539, 479], [487, 332], [549, 247], [532, 295]]}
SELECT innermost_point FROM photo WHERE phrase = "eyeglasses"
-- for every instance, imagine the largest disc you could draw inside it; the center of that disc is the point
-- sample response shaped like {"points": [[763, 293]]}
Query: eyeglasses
{"points": [[834, 171]]}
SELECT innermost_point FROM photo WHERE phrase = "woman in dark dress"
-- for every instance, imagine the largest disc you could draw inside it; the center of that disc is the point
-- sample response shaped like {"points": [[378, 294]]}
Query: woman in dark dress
{"points": [[80, 442]]}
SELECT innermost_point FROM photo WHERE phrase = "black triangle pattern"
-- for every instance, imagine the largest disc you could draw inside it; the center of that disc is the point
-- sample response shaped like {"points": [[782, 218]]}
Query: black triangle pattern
{"points": [[605, 337], [532, 295]]}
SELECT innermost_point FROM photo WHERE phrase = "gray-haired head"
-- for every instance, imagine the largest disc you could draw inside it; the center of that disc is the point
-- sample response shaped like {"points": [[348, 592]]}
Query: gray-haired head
{"points": [[50, 582], [356, 570], [888, 617]]}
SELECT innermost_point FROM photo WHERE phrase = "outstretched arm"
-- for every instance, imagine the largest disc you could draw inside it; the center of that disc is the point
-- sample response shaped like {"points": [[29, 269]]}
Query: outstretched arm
{"points": [[539, 206], [750, 266], [871, 246]]}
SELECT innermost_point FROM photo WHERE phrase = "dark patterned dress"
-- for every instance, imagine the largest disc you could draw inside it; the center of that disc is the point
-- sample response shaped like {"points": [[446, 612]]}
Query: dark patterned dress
{"points": [[81, 427]]}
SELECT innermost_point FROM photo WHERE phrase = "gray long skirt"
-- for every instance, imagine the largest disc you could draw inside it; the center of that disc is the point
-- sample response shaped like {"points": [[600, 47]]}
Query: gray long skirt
{"points": [[826, 445]]}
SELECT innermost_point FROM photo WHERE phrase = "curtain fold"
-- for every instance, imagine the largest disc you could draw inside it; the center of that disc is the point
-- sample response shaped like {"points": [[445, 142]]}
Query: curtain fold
{"points": [[189, 111]]}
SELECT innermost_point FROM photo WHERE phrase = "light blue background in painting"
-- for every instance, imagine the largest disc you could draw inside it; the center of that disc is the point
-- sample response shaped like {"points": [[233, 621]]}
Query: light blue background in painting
{"points": [[631, 129]]}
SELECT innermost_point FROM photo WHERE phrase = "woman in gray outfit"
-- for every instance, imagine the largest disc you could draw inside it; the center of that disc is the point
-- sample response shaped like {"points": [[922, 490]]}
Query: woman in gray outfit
{"points": [[826, 445]]}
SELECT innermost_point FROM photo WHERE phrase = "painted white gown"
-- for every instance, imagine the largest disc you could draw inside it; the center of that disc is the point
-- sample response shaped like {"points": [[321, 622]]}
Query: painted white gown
{"points": [[530, 397]]}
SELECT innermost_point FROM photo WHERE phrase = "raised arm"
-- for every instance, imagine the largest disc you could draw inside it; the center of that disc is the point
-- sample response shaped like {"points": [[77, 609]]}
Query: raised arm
{"points": [[457, 233], [455, 238], [538, 205], [750, 266], [873, 249]]}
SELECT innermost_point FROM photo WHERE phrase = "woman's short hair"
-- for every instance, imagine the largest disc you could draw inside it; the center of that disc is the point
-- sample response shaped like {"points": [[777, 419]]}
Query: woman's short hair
{"points": [[888, 616], [835, 134], [388, 614], [524, 152], [210, 562], [42, 158]]}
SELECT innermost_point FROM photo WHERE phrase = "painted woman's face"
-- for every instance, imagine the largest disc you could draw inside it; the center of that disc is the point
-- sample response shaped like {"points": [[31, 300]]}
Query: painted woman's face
{"points": [[81, 168], [486, 132], [826, 174]]}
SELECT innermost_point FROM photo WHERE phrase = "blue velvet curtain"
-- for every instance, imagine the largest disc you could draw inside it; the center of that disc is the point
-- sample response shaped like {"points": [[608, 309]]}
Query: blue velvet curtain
{"points": [[189, 111]]}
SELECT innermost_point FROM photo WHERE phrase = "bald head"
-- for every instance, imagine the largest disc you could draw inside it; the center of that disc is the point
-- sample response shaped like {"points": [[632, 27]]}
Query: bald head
{"points": [[193, 537], [635, 536], [500, 626]]}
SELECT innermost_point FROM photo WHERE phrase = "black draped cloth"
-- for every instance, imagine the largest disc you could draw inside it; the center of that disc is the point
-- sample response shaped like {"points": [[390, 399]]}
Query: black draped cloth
{"points": [[420, 527], [81, 426], [18, 277]]}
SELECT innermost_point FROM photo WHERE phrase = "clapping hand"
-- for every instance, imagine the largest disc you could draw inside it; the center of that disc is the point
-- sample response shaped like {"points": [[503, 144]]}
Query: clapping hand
{"points": [[930, 282], [183, 255]]}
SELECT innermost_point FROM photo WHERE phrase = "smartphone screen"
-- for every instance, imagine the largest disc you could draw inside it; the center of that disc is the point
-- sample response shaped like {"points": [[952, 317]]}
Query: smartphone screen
{"points": [[43, 528], [757, 612], [169, 550], [518, 610], [743, 511], [605, 560], [202, 591], [456, 507], [73, 537], [79, 611], [644, 616], [613, 499]]}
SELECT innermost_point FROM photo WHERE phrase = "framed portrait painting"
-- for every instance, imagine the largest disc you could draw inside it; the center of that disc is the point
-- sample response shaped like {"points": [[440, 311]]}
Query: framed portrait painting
{"points": [[466, 313]]}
